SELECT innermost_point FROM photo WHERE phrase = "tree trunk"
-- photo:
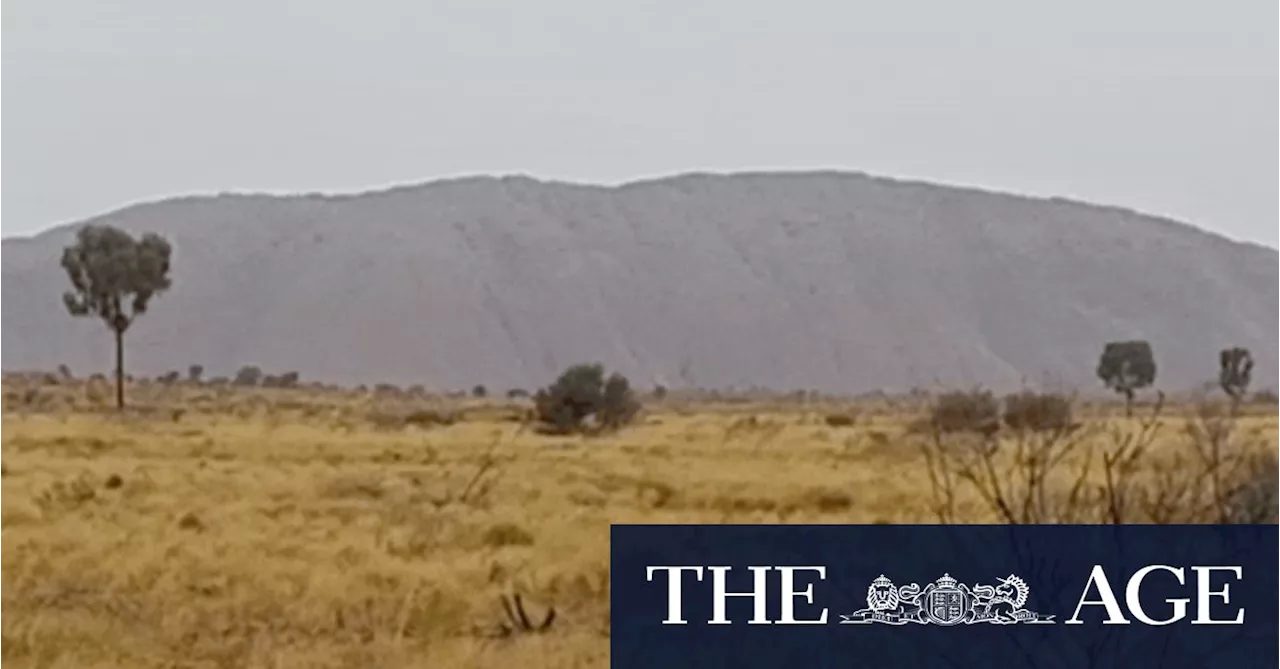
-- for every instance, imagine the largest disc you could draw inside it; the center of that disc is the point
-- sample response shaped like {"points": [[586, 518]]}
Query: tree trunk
{"points": [[1128, 403], [119, 369]]}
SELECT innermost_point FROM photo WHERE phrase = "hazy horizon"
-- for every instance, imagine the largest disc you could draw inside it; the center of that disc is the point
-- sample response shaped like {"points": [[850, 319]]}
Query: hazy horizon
{"points": [[1166, 108]]}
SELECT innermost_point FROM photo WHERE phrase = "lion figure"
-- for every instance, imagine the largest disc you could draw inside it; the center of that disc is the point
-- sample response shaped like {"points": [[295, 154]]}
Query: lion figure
{"points": [[882, 595]]}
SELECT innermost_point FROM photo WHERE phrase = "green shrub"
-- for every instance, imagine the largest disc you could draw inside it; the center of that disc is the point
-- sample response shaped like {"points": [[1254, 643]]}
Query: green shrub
{"points": [[583, 392]]}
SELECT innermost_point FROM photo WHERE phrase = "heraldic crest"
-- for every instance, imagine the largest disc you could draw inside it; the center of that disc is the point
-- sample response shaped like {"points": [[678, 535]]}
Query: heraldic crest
{"points": [[946, 601]]}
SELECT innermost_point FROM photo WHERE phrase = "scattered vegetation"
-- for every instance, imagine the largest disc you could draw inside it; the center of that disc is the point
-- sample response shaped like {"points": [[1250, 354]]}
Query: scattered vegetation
{"points": [[257, 520], [178, 541]]}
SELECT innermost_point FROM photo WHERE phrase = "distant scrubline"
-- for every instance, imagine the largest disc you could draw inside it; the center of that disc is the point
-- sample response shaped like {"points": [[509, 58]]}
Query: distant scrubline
{"points": [[1126, 367], [1235, 371], [582, 392], [113, 277]]}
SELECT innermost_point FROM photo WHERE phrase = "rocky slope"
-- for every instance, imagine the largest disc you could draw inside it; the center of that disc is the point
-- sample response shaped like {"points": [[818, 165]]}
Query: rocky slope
{"points": [[830, 281]]}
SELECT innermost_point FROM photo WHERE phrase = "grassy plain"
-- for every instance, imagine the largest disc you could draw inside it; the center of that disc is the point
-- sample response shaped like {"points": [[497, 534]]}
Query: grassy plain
{"points": [[213, 527]]}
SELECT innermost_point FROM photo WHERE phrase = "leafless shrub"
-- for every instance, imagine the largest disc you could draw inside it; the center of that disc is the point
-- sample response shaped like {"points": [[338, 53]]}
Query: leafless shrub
{"points": [[1012, 477], [1108, 472], [1255, 500], [477, 486], [517, 621]]}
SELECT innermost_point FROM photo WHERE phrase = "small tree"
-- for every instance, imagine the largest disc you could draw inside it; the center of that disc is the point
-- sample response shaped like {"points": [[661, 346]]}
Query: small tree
{"points": [[583, 392], [1235, 372], [113, 277], [1125, 367], [194, 372]]}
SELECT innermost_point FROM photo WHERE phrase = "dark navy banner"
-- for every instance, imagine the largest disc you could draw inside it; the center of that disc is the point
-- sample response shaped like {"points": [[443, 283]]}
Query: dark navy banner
{"points": [[959, 597]]}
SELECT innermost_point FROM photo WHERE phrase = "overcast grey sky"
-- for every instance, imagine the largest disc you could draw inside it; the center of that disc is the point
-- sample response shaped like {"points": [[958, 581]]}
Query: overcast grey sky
{"points": [[1165, 106]]}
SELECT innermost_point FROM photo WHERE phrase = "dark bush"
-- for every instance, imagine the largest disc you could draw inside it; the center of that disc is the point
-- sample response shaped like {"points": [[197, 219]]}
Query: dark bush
{"points": [[840, 420], [582, 392], [479, 391], [194, 372], [517, 393], [966, 411], [249, 375], [660, 392], [1037, 412]]}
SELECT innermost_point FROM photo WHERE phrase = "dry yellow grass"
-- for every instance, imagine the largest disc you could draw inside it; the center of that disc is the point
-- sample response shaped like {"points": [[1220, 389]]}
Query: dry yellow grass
{"points": [[215, 528]]}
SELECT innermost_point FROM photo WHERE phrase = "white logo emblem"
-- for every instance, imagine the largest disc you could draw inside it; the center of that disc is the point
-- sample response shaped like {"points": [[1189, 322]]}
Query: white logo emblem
{"points": [[947, 602]]}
